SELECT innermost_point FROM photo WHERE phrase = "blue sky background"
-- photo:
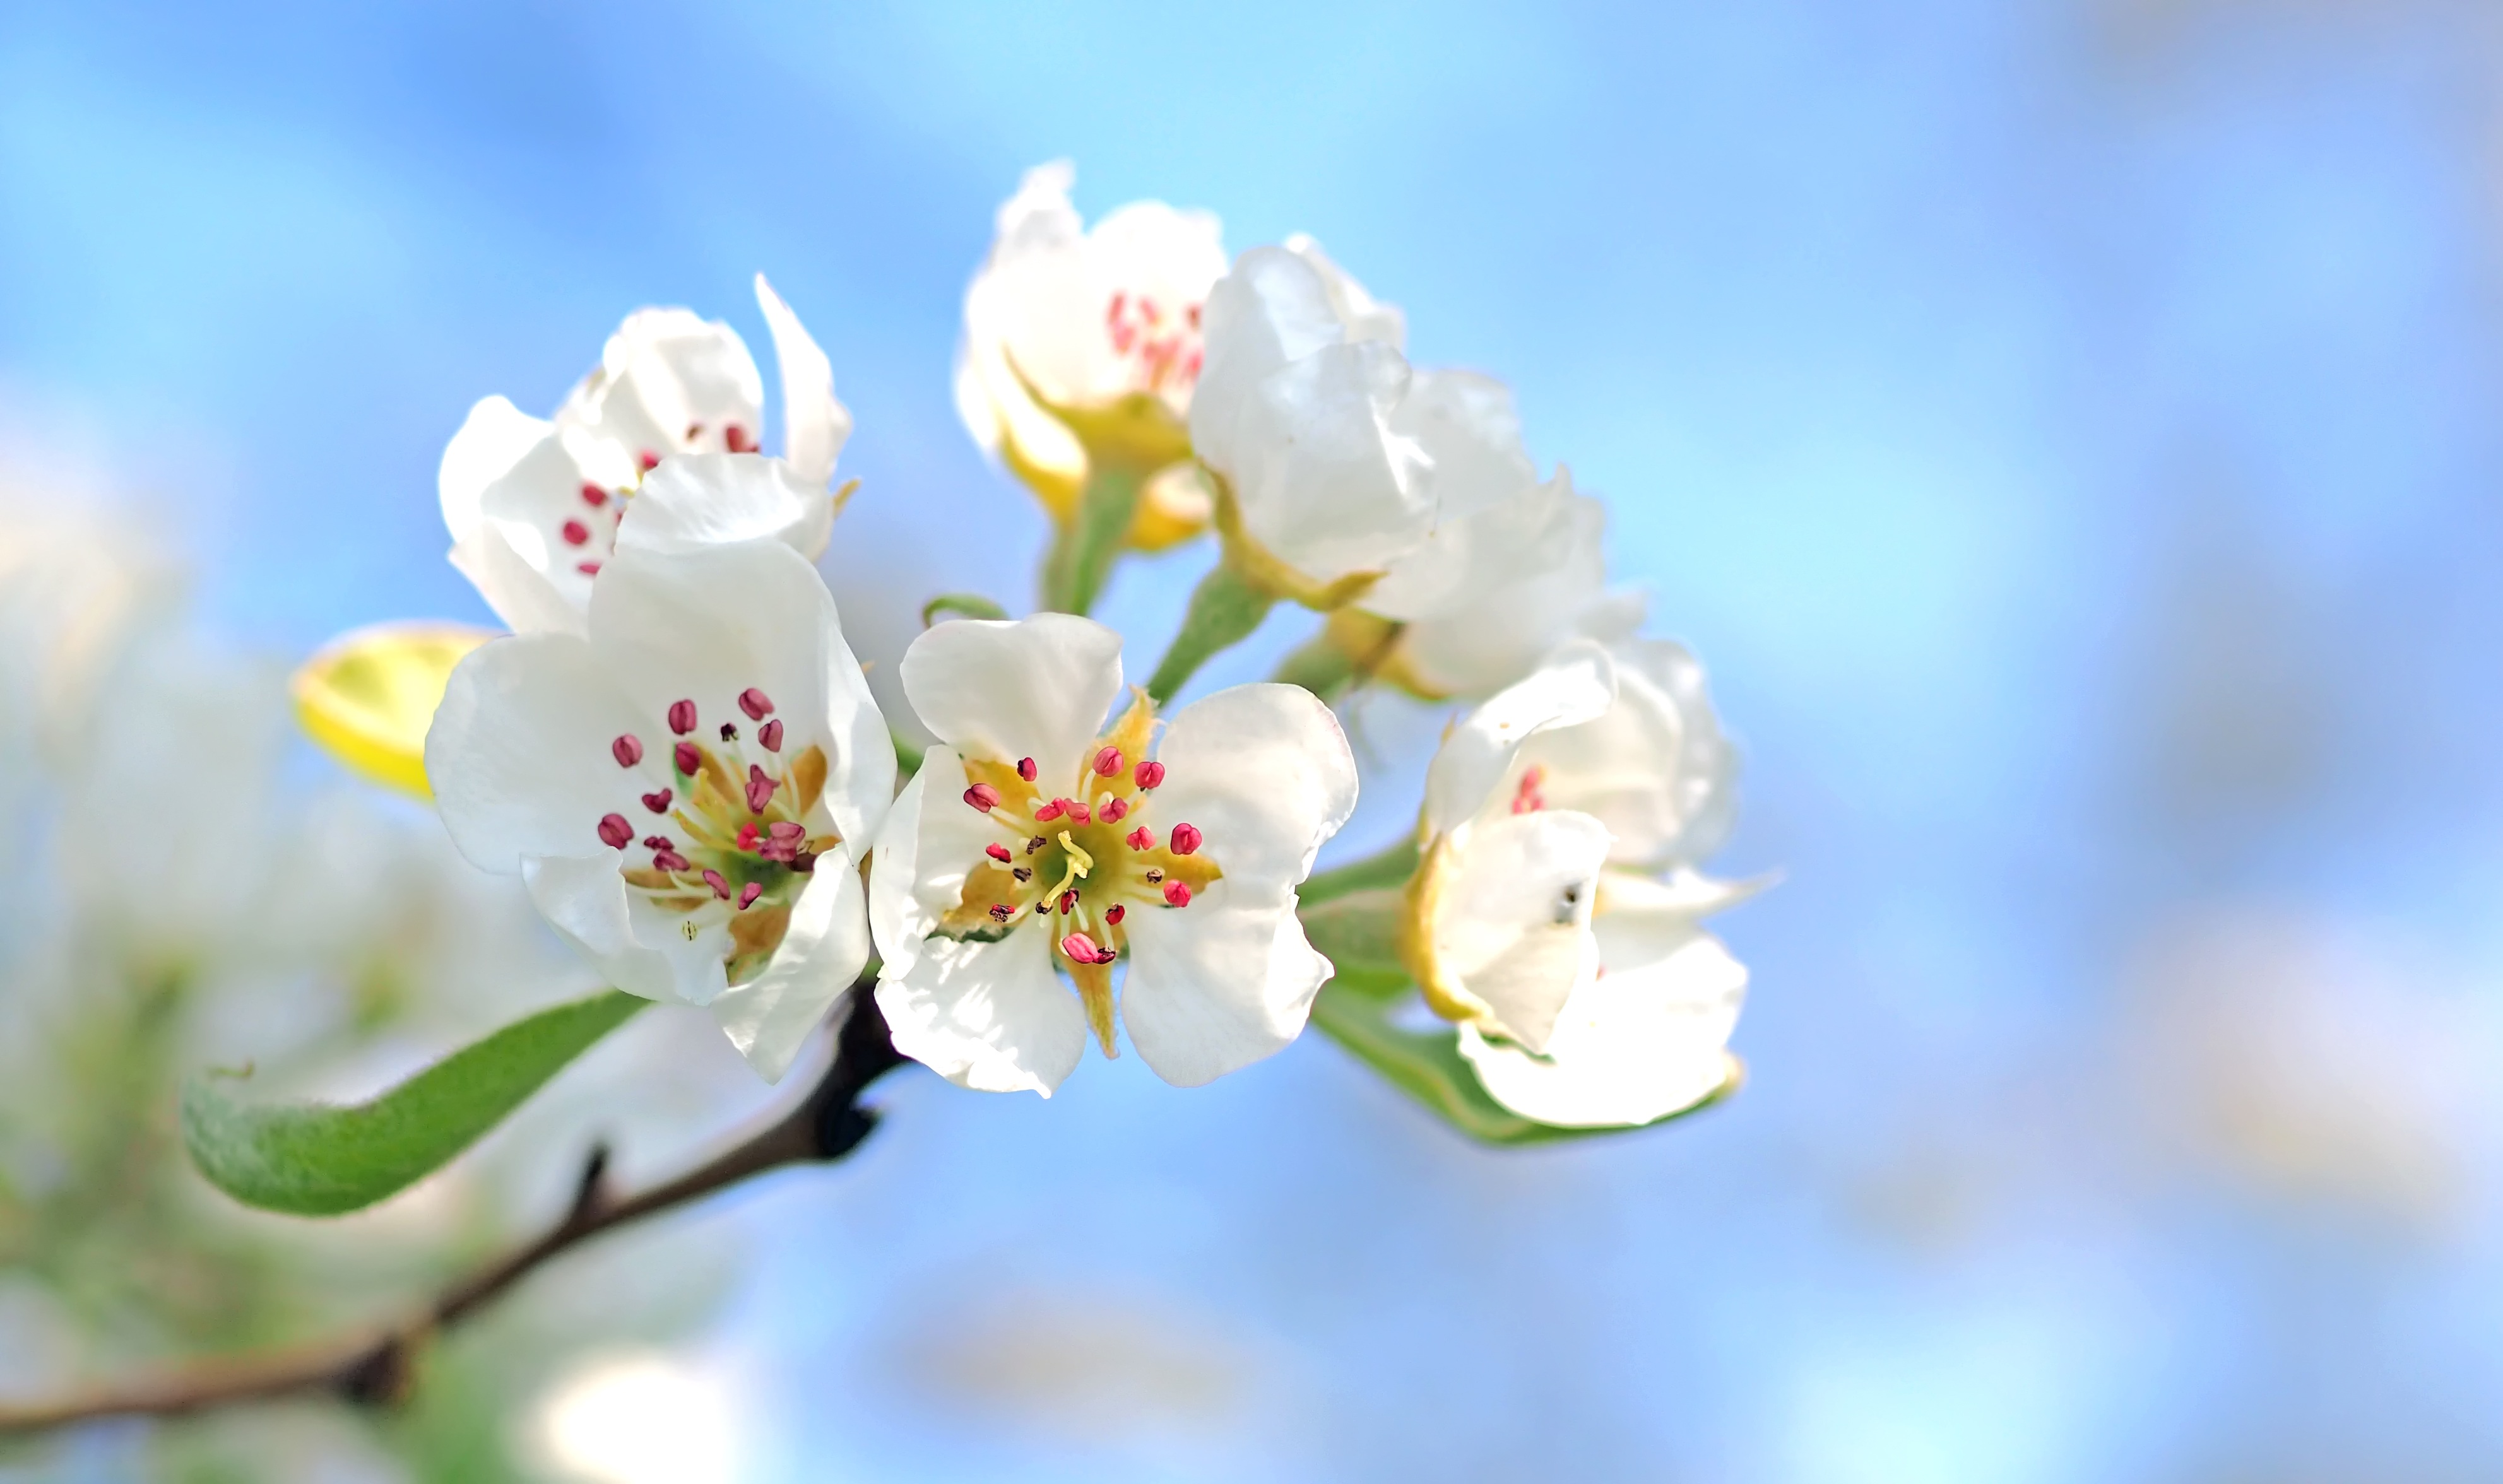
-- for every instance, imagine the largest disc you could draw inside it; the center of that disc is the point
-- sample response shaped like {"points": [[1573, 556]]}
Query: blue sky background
{"points": [[2066, 430]]}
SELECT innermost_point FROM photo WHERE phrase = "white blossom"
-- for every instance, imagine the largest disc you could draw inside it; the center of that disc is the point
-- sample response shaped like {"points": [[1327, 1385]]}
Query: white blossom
{"points": [[687, 788], [1064, 319], [535, 506], [1029, 843], [1556, 907]]}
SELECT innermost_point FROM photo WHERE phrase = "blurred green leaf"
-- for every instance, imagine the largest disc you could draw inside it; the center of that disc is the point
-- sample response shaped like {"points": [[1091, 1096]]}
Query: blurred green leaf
{"points": [[320, 1159], [1359, 932], [1391, 868], [965, 605]]}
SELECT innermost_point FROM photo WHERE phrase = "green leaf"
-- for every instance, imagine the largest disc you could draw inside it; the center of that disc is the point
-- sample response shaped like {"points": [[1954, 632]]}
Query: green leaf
{"points": [[320, 1159], [1391, 868], [1224, 610], [1428, 1066], [1359, 932], [968, 605]]}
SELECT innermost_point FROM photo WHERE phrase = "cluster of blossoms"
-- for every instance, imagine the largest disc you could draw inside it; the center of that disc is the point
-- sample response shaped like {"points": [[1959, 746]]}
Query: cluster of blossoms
{"points": [[675, 750]]}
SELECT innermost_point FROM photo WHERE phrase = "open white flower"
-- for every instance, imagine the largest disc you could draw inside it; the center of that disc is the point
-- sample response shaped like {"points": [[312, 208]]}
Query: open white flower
{"points": [[686, 789], [1029, 843], [1302, 411], [1585, 992], [536, 505], [1063, 321]]}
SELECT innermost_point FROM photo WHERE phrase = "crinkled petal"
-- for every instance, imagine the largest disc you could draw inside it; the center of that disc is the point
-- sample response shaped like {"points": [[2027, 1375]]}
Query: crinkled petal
{"points": [[1037, 688], [1472, 564], [515, 583], [1323, 482], [713, 500], [993, 1017], [1655, 766], [491, 439], [536, 541], [1220, 984], [635, 947], [1511, 922], [815, 423], [1647, 1039], [1577, 683], [669, 381], [771, 1017], [518, 755], [1364, 317], [1272, 310], [1264, 771], [706, 623]]}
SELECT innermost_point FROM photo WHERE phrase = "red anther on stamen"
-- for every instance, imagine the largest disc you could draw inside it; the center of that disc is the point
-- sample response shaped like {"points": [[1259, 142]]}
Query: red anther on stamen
{"points": [[1526, 799], [1001, 912], [1079, 948], [587, 568], [983, 796], [1184, 840], [772, 735], [784, 829], [1112, 310], [1026, 769], [657, 801], [627, 750], [998, 853], [593, 496], [759, 789], [688, 757], [682, 717], [1068, 902], [1177, 895], [615, 832], [670, 860], [1115, 911], [748, 894], [734, 438], [1141, 838], [1050, 812], [648, 459], [574, 533], [658, 842], [1111, 810], [749, 836], [1150, 773], [1078, 812], [1107, 763], [754, 702], [1193, 315], [720, 886]]}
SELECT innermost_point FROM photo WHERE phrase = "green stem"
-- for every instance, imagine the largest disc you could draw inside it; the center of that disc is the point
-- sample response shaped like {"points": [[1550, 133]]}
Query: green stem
{"points": [[1224, 610], [1319, 666], [1082, 554]]}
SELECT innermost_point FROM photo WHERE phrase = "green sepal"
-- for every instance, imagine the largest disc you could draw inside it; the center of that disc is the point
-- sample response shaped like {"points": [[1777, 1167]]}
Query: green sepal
{"points": [[1390, 868], [324, 1160], [1359, 932], [1083, 553], [1224, 610], [965, 605]]}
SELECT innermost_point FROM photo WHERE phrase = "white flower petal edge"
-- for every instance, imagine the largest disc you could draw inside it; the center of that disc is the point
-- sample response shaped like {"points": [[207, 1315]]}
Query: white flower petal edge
{"points": [[1639, 1042], [536, 507], [1002, 868], [714, 703], [711, 499], [1578, 685]]}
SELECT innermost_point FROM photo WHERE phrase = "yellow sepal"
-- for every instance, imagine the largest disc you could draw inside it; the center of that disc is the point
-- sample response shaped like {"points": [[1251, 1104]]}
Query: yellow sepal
{"points": [[369, 697]]}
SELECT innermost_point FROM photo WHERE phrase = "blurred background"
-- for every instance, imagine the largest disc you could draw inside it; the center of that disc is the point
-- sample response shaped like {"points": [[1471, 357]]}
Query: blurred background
{"points": [[2066, 431]]}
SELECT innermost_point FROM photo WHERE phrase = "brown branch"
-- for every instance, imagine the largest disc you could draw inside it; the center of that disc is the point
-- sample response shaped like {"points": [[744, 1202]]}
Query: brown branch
{"points": [[374, 1370]]}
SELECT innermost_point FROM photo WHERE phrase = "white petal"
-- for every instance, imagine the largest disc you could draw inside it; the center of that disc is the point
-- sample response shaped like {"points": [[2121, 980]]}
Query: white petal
{"points": [[1220, 984], [518, 756], [993, 1017], [711, 499], [1471, 563], [771, 1017], [491, 439], [1645, 1040], [1264, 772], [1038, 688], [1365, 316], [1655, 766], [1511, 923], [516, 550], [1577, 683], [924, 852], [1272, 310], [516, 586], [635, 947], [706, 624], [1323, 482], [663, 372], [815, 423], [1684, 893]]}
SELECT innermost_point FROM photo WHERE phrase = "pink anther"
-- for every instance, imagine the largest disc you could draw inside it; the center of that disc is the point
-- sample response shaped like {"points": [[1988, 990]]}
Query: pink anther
{"points": [[658, 801], [1115, 911], [772, 735], [688, 757], [1050, 812], [627, 750], [682, 717], [734, 438], [1177, 895], [1150, 773], [720, 885], [1141, 838], [574, 533], [983, 796], [754, 702], [759, 789], [1026, 769], [615, 832], [1111, 810], [1107, 763], [998, 853], [593, 496], [748, 894], [1185, 839]]}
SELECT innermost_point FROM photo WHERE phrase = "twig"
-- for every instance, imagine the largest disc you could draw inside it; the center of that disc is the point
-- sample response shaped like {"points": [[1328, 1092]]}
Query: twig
{"points": [[377, 1370]]}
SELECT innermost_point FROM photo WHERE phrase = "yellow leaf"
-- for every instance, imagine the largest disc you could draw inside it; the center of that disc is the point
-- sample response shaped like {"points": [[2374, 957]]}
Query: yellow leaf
{"points": [[369, 695]]}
